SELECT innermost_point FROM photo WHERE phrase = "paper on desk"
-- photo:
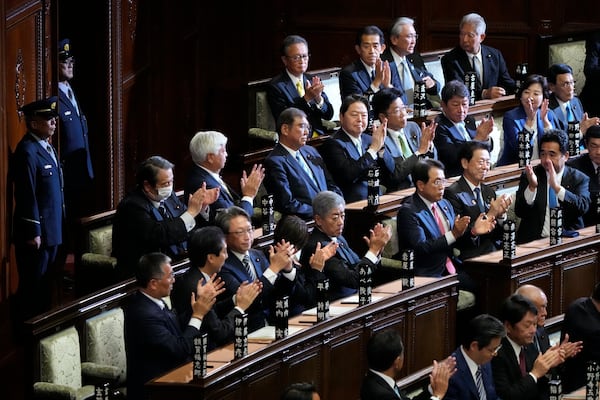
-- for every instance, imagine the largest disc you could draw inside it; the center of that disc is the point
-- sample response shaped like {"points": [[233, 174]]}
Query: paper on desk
{"points": [[333, 311], [268, 332], [354, 299]]}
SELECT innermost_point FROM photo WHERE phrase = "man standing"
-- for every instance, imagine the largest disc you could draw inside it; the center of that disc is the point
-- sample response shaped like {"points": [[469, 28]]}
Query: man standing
{"points": [[294, 88], [39, 208], [551, 184], [493, 79], [154, 342], [455, 127], [589, 164], [410, 64], [209, 155], [471, 197], [151, 218], [295, 173], [74, 146], [473, 378], [369, 73]]}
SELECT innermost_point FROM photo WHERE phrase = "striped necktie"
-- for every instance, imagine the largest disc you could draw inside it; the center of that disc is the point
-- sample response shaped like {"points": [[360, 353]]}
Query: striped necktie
{"points": [[480, 387]]}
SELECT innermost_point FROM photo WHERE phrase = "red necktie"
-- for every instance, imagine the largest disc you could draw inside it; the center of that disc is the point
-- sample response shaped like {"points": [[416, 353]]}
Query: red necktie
{"points": [[522, 365], [440, 224]]}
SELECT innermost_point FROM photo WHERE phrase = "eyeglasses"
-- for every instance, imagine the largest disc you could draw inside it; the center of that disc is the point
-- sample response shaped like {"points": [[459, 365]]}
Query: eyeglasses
{"points": [[414, 36], [496, 350], [299, 57], [248, 231], [440, 182], [568, 83]]}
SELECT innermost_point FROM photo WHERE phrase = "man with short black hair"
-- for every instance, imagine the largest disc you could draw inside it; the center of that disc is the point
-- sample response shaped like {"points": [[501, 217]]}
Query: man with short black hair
{"points": [[589, 164]]}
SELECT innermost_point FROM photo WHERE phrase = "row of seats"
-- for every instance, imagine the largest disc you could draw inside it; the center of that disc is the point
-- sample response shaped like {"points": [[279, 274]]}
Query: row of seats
{"points": [[63, 374]]}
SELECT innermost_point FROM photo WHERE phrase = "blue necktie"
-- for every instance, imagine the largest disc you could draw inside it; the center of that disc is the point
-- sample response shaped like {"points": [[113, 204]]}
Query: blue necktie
{"points": [[552, 201], [479, 200], [305, 167], [407, 82], [249, 268], [463, 130], [569, 113]]}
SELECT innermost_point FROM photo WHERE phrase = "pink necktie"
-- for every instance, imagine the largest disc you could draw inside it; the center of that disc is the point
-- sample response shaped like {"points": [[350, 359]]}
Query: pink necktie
{"points": [[436, 215]]}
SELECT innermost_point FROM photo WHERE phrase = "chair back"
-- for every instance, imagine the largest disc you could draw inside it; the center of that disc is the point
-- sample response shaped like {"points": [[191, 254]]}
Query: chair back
{"points": [[60, 358], [105, 340]]}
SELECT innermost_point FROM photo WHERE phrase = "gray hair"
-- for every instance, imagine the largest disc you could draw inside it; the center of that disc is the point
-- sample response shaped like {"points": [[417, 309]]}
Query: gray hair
{"points": [[476, 20], [326, 201], [399, 23], [205, 143]]}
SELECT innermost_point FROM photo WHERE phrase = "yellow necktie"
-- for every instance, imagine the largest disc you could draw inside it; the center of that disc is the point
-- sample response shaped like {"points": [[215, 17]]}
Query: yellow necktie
{"points": [[300, 88]]}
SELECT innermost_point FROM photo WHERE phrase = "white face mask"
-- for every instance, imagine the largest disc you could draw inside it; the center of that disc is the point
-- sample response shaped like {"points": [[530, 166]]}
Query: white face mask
{"points": [[164, 192]]}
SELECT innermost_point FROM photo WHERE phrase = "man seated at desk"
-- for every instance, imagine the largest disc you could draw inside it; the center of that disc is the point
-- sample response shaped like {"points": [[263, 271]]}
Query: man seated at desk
{"points": [[428, 225], [405, 141], [455, 126], [294, 88], [342, 269], [295, 172], [548, 185], [470, 196], [154, 342]]}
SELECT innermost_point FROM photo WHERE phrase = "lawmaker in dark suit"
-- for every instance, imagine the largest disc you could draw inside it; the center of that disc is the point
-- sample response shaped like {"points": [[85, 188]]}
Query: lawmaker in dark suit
{"points": [[591, 69], [493, 80], [74, 146], [518, 369], [39, 208], [207, 252], [348, 165], [209, 155], [294, 88], [532, 115], [455, 127], [154, 342], [563, 102], [151, 218], [479, 346], [342, 269], [404, 141], [293, 187], [551, 184], [403, 38], [419, 230], [589, 164], [369, 73], [385, 355], [470, 196], [244, 264]]}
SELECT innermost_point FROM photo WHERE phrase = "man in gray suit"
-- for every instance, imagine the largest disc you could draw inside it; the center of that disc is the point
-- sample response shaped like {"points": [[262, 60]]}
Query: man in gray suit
{"points": [[405, 140]]}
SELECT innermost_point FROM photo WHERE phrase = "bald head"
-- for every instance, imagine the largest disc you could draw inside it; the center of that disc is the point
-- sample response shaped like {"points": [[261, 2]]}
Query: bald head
{"points": [[537, 297]]}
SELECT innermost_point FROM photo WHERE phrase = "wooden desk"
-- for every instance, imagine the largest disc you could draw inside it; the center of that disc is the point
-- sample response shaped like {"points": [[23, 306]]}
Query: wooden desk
{"points": [[331, 353], [564, 272]]}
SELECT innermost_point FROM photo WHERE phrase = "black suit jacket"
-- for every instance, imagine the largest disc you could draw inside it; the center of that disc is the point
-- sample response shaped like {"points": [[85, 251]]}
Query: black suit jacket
{"points": [[448, 140], [464, 203], [576, 203], [354, 79], [220, 320], [282, 94], [456, 63], [584, 164], [375, 388], [154, 343], [292, 189], [139, 228], [341, 269], [510, 384]]}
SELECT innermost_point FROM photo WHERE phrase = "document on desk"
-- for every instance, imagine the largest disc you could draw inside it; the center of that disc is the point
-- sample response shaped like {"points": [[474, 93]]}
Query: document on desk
{"points": [[267, 333], [333, 311]]}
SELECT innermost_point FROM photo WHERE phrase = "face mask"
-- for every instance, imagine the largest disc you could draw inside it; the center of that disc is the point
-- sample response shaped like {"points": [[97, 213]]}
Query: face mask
{"points": [[164, 192]]}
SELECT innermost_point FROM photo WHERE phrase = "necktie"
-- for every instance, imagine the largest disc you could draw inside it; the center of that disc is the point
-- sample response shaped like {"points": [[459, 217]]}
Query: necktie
{"points": [[480, 387], [372, 75], [569, 112], [249, 267], [304, 166], [403, 144], [407, 82], [449, 266], [70, 94], [479, 200], [163, 210], [476, 69], [552, 201], [522, 364], [397, 391], [358, 148], [463, 131], [598, 175], [50, 151], [300, 88]]}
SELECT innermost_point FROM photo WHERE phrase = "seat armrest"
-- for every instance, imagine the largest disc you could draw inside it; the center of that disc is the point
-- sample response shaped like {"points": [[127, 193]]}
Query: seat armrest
{"points": [[100, 372]]}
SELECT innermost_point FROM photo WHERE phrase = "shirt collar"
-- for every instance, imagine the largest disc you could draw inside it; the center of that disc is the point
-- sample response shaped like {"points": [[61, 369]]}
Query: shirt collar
{"points": [[355, 141], [470, 363], [290, 150], [386, 378], [158, 302], [295, 79]]}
